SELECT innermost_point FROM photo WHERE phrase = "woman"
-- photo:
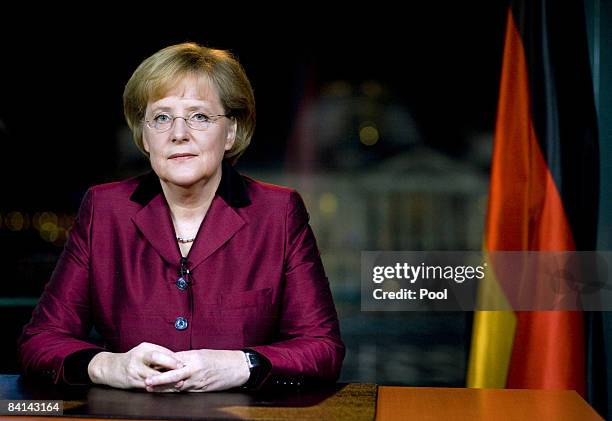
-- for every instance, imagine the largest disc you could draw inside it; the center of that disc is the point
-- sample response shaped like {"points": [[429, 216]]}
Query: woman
{"points": [[196, 277]]}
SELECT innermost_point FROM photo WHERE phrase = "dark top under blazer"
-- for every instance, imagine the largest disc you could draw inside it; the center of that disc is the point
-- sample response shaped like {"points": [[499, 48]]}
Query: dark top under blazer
{"points": [[257, 281]]}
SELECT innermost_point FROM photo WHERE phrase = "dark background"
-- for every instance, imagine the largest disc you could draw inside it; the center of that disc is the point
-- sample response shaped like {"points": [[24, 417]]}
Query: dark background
{"points": [[61, 102], [63, 82]]}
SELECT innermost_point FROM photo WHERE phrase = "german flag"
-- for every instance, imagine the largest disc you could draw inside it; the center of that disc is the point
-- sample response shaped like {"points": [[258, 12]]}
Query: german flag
{"points": [[543, 192]]}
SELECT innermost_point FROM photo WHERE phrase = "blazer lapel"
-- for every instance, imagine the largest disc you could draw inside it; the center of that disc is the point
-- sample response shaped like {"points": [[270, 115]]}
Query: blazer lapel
{"points": [[219, 226], [222, 220], [153, 220]]}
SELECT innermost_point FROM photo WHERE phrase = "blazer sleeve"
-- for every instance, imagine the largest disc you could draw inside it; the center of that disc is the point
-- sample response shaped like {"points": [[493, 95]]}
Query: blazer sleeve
{"points": [[61, 322], [309, 343]]}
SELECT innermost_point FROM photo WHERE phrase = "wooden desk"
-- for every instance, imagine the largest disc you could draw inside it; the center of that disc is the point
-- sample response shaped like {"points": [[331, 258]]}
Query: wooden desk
{"points": [[353, 402], [429, 403]]}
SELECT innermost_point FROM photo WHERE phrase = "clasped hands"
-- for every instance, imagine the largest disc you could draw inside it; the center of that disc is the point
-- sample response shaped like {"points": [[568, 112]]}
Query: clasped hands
{"points": [[158, 369]]}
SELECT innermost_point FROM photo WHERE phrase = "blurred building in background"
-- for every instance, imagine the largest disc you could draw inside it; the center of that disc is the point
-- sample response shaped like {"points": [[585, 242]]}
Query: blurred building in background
{"points": [[371, 183]]}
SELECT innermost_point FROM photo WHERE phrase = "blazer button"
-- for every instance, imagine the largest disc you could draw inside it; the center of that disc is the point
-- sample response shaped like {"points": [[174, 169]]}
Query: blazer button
{"points": [[181, 283], [181, 323]]}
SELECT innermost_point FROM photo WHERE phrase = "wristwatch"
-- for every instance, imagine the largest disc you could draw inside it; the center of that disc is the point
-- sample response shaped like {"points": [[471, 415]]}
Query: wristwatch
{"points": [[259, 366]]}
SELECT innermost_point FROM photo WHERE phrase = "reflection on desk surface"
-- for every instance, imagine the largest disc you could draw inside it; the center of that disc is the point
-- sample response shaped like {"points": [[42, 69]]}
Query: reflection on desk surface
{"points": [[352, 401], [339, 401]]}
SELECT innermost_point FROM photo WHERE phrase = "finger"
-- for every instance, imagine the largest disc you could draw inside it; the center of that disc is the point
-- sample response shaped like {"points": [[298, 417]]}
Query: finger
{"points": [[154, 347], [178, 387], [166, 388], [136, 373], [162, 389], [172, 376], [159, 360], [194, 384], [146, 371], [198, 388]]}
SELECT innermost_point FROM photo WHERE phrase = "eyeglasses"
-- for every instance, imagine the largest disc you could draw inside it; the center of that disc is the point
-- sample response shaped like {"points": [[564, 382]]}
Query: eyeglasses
{"points": [[197, 121]]}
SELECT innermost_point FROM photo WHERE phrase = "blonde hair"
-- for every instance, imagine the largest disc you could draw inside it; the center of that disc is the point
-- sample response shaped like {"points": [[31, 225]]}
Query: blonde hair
{"points": [[162, 71]]}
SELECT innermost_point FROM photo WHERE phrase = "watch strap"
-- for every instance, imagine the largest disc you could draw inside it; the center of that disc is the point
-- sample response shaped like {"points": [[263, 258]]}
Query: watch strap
{"points": [[259, 366]]}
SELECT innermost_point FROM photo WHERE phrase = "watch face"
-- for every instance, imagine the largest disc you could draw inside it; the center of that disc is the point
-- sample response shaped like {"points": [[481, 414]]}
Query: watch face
{"points": [[259, 367], [252, 359]]}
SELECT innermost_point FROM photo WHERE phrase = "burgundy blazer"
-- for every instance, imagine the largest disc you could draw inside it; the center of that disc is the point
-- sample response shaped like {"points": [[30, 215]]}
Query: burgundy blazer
{"points": [[256, 281]]}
